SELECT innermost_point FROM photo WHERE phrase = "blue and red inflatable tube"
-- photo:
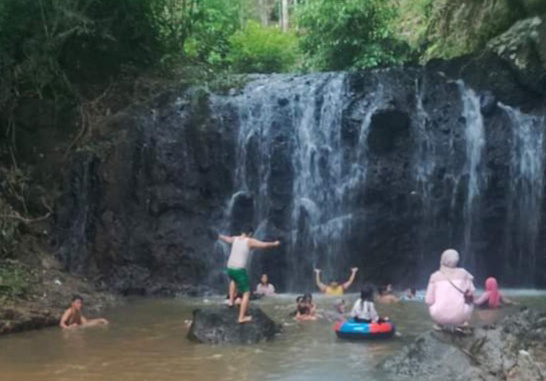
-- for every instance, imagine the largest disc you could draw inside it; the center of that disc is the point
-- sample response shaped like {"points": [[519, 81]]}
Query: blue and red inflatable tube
{"points": [[352, 330]]}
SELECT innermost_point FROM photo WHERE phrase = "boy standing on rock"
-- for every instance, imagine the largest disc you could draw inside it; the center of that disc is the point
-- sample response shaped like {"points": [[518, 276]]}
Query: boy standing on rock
{"points": [[236, 267]]}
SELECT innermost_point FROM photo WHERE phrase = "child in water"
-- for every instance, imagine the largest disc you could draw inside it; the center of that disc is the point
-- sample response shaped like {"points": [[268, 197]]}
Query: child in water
{"points": [[306, 308], [364, 309]]}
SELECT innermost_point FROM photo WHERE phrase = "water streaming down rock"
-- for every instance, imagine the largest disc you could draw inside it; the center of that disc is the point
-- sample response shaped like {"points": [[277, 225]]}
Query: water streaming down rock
{"points": [[526, 193], [379, 169], [474, 170], [432, 160]]}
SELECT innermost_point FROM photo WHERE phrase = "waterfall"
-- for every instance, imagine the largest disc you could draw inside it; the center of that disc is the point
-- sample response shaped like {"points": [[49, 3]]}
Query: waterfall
{"points": [[525, 194], [296, 172], [424, 166], [474, 169], [380, 169], [317, 162], [461, 183]]}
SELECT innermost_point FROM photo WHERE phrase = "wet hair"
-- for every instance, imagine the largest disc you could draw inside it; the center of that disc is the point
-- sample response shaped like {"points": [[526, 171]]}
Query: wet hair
{"points": [[366, 294], [299, 299], [77, 297], [303, 309], [381, 290], [248, 230], [308, 297]]}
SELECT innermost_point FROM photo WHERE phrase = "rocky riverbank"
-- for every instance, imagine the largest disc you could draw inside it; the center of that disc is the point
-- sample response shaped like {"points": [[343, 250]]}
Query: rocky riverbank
{"points": [[510, 350], [36, 291]]}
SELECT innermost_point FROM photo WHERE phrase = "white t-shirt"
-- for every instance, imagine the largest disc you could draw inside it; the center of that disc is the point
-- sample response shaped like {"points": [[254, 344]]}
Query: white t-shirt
{"points": [[239, 253], [268, 289], [365, 310]]}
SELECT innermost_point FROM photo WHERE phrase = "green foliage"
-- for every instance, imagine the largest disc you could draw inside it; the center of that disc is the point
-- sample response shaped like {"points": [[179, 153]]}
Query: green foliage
{"points": [[460, 27], [340, 34], [15, 280], [46, 45], [216, 22], [9, 232], [259, 49], [412, 22]]}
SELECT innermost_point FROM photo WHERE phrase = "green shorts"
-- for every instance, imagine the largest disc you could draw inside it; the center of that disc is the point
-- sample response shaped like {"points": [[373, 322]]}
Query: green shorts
{"points": [[240, 278]]}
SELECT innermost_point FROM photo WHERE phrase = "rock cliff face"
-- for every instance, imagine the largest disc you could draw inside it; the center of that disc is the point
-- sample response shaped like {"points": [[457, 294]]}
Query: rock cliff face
{"points": [[378, 169]]}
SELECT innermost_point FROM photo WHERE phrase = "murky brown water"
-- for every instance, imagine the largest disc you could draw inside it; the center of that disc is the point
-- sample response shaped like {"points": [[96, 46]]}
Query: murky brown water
{"points": [[146, 342]]}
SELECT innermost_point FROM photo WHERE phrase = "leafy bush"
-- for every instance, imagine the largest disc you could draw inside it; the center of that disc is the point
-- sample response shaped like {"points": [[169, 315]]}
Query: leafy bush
{"points": [[259, 49], [15, 280], [9, 232], [215, 23], [340, 34]]}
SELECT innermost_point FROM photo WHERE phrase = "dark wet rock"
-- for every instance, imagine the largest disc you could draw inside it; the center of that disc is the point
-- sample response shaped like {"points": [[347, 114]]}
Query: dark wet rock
{"points": [[523, 48], [378, 179], [214, 325], [22, 318], [504, 352]]}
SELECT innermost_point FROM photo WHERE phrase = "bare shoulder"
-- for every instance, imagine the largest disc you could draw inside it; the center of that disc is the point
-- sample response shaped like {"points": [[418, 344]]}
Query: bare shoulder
{"points": [[253, 242]]}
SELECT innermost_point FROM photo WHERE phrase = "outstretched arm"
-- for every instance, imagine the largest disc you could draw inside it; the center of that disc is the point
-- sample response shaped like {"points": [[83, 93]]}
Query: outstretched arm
{"points": [[483, 298], [347, 284], [225, 238], [320, 285], [507, 301], [256, 244]]}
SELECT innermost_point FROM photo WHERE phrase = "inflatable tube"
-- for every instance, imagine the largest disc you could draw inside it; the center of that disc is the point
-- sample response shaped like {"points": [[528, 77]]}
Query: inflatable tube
{"points": [[364, 331]]}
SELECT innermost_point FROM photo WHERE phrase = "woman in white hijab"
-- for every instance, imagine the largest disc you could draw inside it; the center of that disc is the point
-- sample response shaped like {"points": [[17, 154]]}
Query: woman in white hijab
{"points": [[450, 292]]}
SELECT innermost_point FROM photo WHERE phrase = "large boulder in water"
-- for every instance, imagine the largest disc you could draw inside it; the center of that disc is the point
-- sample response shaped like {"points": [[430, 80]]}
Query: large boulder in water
{"points": [[508, 351], [218, 324]]}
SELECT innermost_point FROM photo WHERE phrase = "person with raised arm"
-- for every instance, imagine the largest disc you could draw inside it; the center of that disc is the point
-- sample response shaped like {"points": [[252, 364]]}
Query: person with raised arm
{"points": [[236, 267], [334, 288]]}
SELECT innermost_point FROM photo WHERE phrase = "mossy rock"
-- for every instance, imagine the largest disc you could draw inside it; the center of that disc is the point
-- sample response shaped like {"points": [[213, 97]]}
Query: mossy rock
{"points": [[523, 48]]}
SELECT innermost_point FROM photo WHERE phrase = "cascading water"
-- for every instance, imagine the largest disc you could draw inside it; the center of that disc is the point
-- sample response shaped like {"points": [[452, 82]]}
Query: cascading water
{"points": [[292, 153], [439, 170], [318, 217], [317, 162], [474, 169], [525, 194], [380, 169]]}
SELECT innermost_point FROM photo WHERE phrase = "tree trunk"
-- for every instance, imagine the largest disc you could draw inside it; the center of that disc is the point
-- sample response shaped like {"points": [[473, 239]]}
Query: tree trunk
{"points": [[284, 15], [264, 14]]}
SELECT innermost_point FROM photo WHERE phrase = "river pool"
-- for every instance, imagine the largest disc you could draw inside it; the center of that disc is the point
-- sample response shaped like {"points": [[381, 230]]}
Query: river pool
{"points": [[146, 342]]}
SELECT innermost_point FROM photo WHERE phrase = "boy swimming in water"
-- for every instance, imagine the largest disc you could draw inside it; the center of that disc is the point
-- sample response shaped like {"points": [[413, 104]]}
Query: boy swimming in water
{"points": [[73, 317], [236, 267]]}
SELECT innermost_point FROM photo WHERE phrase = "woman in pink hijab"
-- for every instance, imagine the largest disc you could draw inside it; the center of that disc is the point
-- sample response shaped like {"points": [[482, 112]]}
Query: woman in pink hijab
{"points": [[445, 296], [492, 298]]}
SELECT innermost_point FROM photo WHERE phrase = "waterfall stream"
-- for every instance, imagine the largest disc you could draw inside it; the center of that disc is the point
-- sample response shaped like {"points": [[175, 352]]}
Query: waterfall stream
{"points": [[293, 128]]}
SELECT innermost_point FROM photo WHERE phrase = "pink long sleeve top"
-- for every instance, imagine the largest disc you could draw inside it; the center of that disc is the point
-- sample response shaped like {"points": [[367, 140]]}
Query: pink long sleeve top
{"points": [[445, 300]]}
